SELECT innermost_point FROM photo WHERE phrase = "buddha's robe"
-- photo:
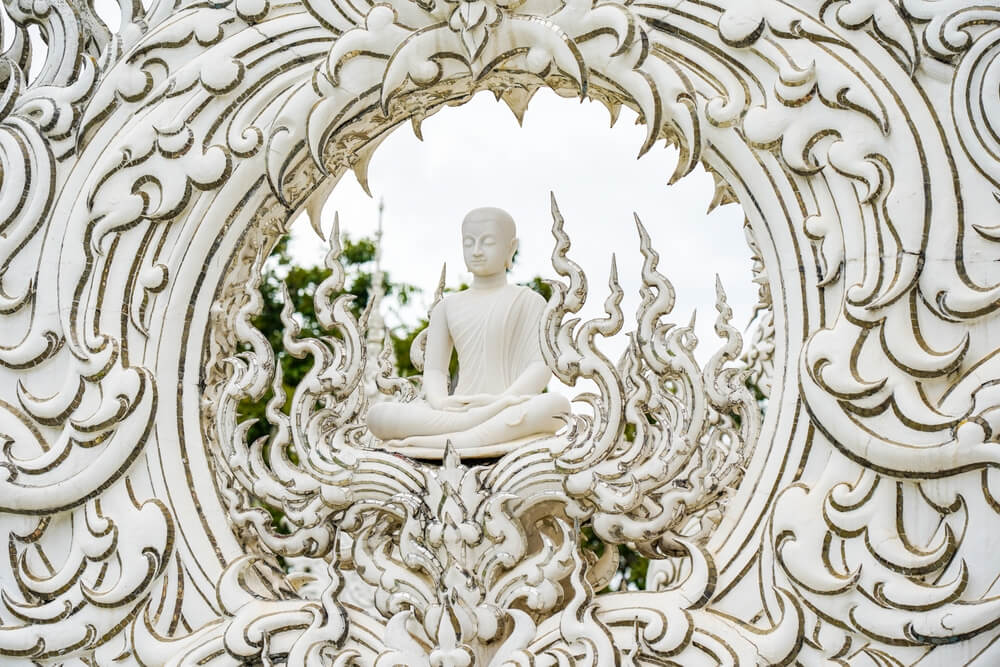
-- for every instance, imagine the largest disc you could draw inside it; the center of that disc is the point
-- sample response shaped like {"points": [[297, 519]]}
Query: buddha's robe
{"points": [[495, 333], [496, 338]]}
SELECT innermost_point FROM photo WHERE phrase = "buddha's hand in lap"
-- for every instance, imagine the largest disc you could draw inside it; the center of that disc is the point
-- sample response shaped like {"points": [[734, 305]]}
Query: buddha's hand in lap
{"points": [[470, 401]]}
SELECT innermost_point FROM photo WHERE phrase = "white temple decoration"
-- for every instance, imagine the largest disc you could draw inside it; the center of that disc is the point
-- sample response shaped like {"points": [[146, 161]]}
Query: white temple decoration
{"points": [[148, 171], [422, 534]]}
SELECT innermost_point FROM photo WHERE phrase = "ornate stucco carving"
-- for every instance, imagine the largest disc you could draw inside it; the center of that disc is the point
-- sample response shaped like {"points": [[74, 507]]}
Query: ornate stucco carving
{"points": [[148, 171]]}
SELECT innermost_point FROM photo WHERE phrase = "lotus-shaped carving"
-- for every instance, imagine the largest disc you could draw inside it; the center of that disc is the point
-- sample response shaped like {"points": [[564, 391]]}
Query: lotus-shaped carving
{"points": [[475, 19]]}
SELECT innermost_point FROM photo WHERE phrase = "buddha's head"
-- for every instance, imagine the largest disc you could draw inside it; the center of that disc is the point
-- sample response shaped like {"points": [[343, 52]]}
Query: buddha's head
{"points": [[489, 241]]}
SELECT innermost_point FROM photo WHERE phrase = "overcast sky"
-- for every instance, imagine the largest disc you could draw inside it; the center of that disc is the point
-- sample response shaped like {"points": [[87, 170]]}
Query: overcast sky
{"points": [[477, 155]]}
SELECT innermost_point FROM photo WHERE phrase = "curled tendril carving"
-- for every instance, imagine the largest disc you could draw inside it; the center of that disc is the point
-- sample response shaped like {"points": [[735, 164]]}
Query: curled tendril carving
{"points": [[693, 428]]}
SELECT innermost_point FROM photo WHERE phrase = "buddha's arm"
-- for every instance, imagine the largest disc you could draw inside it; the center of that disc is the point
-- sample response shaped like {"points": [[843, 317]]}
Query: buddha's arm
{"points": [[437, 356], [531, 381], [536, 375]]}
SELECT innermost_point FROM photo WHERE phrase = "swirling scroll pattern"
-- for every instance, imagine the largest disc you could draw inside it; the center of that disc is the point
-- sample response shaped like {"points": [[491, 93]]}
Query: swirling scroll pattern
{"points": [[897, 382], [85, 544], [852, 162], [88, 545]]}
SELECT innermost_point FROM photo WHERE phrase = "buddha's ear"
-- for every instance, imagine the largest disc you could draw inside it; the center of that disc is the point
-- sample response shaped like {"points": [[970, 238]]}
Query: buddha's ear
{"points": [[513, 251]]}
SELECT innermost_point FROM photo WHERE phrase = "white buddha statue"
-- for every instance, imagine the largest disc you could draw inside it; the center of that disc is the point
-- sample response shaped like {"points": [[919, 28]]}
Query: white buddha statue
{"points": [[494, 327]]}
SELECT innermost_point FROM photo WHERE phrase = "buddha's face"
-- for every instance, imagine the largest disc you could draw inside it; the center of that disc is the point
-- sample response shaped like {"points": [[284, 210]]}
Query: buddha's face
{"points": [[488, 242]]}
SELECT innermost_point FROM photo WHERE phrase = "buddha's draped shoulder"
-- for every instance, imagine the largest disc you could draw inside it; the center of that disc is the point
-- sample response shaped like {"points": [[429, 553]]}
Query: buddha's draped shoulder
{"points": [[496, 334]]}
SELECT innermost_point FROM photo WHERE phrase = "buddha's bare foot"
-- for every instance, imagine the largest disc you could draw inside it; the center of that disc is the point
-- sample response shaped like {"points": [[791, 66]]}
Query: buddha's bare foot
{"points": [[416, 441]]}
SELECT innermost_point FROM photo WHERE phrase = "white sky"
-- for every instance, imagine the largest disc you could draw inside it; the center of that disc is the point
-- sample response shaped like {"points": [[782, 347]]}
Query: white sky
{"points": [[476, 155]]}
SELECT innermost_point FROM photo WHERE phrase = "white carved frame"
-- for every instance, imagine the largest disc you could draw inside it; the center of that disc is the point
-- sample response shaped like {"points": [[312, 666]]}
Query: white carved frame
{"points": [[146, 172]]}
